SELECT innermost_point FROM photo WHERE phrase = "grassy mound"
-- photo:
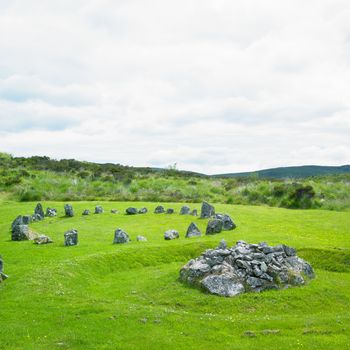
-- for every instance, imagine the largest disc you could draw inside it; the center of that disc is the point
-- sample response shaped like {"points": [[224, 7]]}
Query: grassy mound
{"points": [[102, 296]]}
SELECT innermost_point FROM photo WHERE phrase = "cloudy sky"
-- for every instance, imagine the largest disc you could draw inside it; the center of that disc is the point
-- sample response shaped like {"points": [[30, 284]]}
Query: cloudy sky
{"points": [[215, 86]]}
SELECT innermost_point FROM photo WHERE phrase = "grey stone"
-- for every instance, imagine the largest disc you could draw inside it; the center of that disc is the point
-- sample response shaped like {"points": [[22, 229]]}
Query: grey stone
{"points": [[227, 223], [131, 211], [222, 285], [207, 210], [214, 226], [114, 211], [222, 244], [243, 268], [141, 239], [20, 233], [51, 212], [185, 210], [289, 251], [86, 212], [39, 211], [42, 239], [71, 238], [98, 209], [194, 212], [3, 276], [193, 231], [143, 211], [170, 211], [159, 209], [26, 219], [68, 209], [120, 236], [171, 234]]}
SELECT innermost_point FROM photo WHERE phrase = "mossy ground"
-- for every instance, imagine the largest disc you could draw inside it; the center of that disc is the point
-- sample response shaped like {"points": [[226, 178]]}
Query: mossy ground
{"points": [[102, 296]]}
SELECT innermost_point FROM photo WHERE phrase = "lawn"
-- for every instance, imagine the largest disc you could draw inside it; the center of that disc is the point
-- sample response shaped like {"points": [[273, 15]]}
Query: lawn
{"points": [[102, 296]]}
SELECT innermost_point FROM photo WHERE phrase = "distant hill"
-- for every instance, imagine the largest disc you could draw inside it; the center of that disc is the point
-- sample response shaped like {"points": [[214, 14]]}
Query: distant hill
{"points": [[292, 172]]}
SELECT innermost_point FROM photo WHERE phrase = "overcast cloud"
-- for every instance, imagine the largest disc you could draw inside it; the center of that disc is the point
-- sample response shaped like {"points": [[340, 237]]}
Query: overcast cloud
{"points": [[215, 86]]}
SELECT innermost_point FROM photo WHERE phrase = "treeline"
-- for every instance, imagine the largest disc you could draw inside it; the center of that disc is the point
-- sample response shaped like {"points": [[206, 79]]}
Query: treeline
{"points": [[42, 178]]}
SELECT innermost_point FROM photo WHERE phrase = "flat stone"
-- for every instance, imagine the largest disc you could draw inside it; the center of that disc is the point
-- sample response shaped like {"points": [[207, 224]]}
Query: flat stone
{"points": [[42, 239], [171, 234], [141, 239], [222, 285]]}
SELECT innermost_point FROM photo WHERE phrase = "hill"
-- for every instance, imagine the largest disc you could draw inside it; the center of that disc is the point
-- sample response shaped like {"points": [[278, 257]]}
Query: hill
{"points": [[294, 172]]}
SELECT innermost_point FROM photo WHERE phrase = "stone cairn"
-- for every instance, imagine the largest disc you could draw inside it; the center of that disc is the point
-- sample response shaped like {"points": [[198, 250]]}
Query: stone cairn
{"points": [[71, 238], [2, 275], [246, 267]]}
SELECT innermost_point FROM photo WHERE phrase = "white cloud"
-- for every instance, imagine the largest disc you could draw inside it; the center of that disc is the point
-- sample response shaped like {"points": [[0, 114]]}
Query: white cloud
{"points": [[213, 86]]}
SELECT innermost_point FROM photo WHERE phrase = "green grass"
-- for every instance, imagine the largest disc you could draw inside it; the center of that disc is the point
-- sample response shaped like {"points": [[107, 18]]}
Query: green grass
{"points": [[102, 296]]}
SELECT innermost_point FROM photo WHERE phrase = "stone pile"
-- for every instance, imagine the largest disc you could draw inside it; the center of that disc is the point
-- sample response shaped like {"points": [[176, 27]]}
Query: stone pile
{"points": [[246, 267]]}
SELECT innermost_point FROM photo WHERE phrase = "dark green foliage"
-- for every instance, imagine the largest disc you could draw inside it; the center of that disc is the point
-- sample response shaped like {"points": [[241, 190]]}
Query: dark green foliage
{"points": [[36, 178]]}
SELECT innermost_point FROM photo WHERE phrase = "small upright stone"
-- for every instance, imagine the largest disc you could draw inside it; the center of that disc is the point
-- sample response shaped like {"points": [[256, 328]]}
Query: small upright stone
{"points": [[170, 211], [51, 212], [120, 236], [143, 210], [71, 238], [159, 210], [207, 210], [193, 231], [214, 226], [227, 223], [141, 239], [2, 275], [185, 210], [86, 212], [39, 212], [68, 209], [171, 234], [131, 211], [98, 209], [194, 212]]}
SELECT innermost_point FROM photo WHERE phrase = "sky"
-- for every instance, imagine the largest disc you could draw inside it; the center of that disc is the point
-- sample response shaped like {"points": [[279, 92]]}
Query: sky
{"points": [[213, 86]]}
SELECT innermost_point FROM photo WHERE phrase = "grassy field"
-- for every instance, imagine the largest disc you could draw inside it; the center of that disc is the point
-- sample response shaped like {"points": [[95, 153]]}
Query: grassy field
{"points": [[102, 296]]}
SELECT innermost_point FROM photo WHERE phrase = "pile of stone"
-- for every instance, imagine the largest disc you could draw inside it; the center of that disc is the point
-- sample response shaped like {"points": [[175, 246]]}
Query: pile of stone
{"points": [[2, 275], [246, 267]]}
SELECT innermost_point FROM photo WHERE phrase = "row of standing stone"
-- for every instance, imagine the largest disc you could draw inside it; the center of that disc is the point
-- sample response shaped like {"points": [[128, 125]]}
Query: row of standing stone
{"points": [[219, 222]]}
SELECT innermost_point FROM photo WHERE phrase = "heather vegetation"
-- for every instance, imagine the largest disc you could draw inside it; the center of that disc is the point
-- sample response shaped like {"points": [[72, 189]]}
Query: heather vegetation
{"points": [[41, 178]]}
